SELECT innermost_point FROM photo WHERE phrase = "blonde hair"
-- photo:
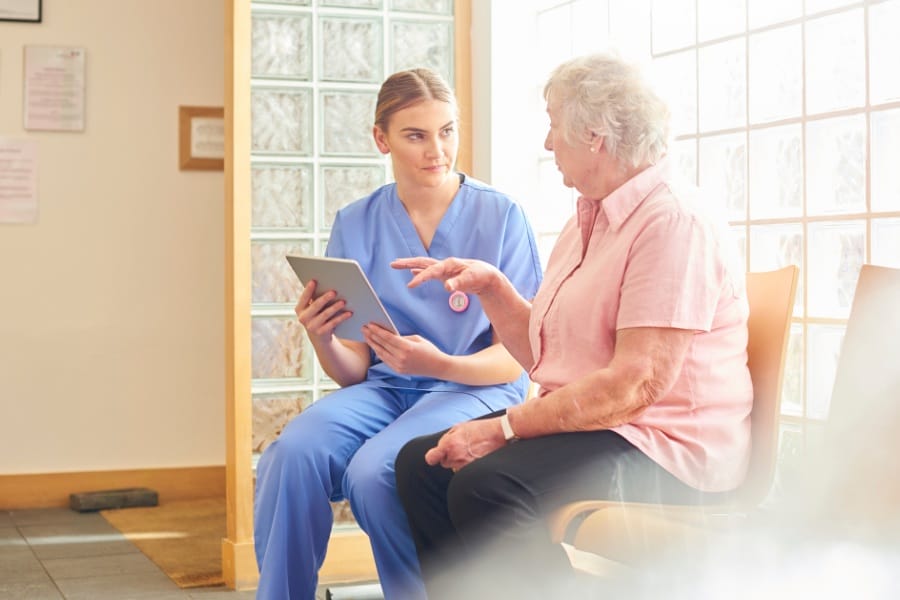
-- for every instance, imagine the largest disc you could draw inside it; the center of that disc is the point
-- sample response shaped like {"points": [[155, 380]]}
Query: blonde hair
{"points": [[601, 94], [405, 88]]}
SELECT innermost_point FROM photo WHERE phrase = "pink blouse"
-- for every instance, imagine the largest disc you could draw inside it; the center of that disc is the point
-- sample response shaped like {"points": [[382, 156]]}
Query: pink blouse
{"points": [[646, 256]]}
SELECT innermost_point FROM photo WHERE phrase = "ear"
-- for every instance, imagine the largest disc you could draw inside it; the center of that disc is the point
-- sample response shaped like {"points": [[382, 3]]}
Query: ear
{"points": [[380, 140], [596, 142]]}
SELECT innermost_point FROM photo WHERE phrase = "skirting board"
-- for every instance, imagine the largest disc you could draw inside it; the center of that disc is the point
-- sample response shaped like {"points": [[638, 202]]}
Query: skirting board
{"points": [[51, 490]]}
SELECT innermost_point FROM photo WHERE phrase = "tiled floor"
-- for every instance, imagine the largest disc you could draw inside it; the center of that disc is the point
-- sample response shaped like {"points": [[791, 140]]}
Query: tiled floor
{"points": [[54, 554]]}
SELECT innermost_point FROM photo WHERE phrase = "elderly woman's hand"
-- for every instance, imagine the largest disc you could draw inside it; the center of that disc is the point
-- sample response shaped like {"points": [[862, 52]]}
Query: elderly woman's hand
{"points": [[466, 275], [465, 442]]}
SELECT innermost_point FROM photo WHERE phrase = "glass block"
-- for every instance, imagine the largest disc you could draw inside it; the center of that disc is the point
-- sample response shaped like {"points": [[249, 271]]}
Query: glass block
{"points": [[683, 154], [675, 78], [817, 6], [885, 150], [776, 172], [791, 458], [297, 2], [837, 251], [776, 246], [271, 412], [824, 348], [723, 173], [272, 277], [792, 385], [884, 48], [437, 7], [282, 121], [282, 196], [590, 21], [835, 62], [886, 242], [418, 44], [351, 3], [630, 28], [282, 46], [769, 12], [739, 235], [279, 349], [352, 49], [720, 18], [347, 119], [673, 24], [342, 184], [552, 25], [836, 165], [723, 85], [554, 203], [776, 75]]}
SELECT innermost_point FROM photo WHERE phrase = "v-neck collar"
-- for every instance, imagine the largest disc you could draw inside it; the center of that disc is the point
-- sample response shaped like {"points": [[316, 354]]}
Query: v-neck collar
{"points": [[441, 234]]}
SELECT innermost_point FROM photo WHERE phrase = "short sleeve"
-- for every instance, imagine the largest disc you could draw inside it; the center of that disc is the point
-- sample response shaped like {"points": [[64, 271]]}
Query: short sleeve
{"points": [[519, 259]]}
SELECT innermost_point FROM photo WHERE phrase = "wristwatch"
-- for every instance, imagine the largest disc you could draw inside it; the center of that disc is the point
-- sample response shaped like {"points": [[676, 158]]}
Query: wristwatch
{"points": [[508, 434]]}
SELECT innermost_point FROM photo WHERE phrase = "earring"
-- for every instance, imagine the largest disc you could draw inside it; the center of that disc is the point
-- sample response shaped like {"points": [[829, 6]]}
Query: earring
{"points": [[593, 149]]}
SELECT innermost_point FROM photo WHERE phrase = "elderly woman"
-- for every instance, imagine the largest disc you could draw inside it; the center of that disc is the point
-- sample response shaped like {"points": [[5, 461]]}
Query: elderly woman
{"points": [[637, 337]]}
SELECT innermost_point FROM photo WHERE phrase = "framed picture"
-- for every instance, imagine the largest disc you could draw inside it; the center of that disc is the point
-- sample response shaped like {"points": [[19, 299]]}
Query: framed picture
{"points": [[201, 138], [26, 11]]}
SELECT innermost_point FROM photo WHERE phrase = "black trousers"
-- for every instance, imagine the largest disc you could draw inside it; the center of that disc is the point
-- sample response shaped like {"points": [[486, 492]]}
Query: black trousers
{"points": [[481, 532]]}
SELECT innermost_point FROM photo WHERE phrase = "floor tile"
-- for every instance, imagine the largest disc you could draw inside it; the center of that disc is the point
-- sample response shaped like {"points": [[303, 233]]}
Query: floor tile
{"points": [[12, 542], [21, 568], [155, 586], [5, 519], [220, 593], [75, 540], [47, 516], [43, 590], [94, 566]]}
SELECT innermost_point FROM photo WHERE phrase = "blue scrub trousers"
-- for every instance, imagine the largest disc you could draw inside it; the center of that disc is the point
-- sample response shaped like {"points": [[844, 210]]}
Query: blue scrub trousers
{"points": [[344, 446]]}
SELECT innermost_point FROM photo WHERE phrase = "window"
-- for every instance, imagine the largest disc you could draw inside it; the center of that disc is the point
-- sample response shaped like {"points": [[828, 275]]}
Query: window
{"points": [[785, 112]]}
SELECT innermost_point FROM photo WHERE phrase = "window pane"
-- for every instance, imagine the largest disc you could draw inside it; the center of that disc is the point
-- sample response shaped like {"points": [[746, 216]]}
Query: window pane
{"points": [[836, 254], [792, 387], [674, 24], [824, 348], [723, 85], [723, 173], [884, 159], [835, 62], [767, 12], [683, 155], [884, 48], [553, 39], [273, 279], [590, 24], [629, 28], [815, 6], [282, 196], [776, 75], [776, 246], [836, 165], [720, 18], [739, 234], [279, 349], [776, 172], [675, 77], [886, 242], [281, 46]]}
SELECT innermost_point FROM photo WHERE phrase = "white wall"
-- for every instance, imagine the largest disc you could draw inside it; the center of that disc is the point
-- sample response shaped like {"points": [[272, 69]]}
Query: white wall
{"points": [[111, 306]]}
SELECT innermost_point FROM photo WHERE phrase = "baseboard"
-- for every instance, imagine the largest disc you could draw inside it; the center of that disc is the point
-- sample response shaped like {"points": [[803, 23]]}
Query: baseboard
{"points": [[49, 490], [349, 558]]}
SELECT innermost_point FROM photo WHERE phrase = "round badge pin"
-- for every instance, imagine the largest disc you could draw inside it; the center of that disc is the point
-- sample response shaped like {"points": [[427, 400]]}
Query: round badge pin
{"points": [[458, 301]]}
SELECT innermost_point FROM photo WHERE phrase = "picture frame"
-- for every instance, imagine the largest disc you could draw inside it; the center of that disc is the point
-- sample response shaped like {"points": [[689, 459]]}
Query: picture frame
{"points": [[22, 11], [201, 138]]}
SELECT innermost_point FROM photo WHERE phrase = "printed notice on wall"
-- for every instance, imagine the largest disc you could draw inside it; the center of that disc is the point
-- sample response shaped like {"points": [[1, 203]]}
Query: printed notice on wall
{"points": [[207, 137], [54, 88], [18, 181]]}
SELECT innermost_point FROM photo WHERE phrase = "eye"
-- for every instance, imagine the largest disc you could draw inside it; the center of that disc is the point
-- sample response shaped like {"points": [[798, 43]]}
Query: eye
{"points": [[414, 137], [448, 131]]}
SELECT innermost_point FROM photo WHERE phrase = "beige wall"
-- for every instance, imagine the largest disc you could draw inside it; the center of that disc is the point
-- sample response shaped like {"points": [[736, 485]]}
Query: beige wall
{"points": [[111, 306]]}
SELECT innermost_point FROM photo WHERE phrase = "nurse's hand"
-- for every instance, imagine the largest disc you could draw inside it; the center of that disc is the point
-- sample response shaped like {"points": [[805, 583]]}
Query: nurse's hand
{"points": [[465, 442], [408, 355], [320, 316], [463, 274]]}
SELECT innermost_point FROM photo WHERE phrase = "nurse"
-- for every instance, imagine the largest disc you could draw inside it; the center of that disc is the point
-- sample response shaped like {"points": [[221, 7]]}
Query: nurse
{"points": [[446, 366]]}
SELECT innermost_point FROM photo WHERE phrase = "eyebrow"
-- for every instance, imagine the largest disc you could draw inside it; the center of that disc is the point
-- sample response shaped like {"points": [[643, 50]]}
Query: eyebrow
{"points": [[418, 130]]}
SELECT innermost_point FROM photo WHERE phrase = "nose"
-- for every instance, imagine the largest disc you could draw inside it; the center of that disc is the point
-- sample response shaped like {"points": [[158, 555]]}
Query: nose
{"points": [[434, 148], [548, 144]]}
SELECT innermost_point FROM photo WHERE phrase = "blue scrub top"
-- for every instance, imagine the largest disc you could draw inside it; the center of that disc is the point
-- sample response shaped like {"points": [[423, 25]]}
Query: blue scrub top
{"points": [[480, 223]]}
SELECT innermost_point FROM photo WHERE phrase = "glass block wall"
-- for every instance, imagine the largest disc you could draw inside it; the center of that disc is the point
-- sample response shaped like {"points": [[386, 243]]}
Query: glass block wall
{"points": [[787, 113], [316, 69]]}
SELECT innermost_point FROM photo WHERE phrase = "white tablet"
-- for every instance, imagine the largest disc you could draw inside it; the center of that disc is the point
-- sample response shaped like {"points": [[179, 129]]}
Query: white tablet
{"points": [[344, 276]]}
